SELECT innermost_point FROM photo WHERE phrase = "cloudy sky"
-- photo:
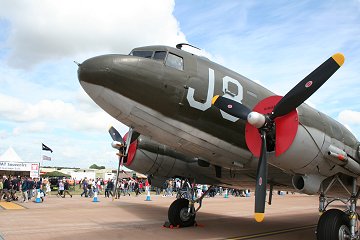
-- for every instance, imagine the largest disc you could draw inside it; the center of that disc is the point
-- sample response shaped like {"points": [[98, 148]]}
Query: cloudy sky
{"points": [[276, 43]]}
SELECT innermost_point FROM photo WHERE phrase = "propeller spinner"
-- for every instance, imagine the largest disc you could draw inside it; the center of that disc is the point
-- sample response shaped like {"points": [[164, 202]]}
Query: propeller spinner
{"points": [[264, 122]]}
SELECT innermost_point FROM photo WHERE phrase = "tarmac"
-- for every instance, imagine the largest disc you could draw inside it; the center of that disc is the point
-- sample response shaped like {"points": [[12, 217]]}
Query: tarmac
{"points": [[289, 217]]}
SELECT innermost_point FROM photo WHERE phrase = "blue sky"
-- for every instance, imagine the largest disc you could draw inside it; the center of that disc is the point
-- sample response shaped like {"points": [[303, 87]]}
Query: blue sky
{"points": [[276, 43]]}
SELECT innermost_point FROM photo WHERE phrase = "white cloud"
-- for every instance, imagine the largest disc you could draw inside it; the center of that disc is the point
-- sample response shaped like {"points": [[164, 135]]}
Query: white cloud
{"points": [[41, 99], [67, 115], [42, 30], [3, 134], [30, 128], [349, 117]]}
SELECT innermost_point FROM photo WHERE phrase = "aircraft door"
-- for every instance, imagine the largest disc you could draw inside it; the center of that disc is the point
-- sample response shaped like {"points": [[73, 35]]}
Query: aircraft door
{"points": [[176, 79]]}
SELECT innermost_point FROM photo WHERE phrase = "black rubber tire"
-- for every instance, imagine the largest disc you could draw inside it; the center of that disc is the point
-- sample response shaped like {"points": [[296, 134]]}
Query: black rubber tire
{"points": [[174, 213], [329, 224]]}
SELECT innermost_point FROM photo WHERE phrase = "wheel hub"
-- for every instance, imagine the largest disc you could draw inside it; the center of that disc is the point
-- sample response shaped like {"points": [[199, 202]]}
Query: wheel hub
{"points": [[344, 233], [184, 214]]}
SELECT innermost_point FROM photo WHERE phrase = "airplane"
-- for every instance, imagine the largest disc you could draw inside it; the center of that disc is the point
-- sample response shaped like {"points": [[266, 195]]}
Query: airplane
{"points": [[194, 119]]}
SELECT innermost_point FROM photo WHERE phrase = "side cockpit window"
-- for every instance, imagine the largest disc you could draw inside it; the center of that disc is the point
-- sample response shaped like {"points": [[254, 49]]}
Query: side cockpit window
{"points": [[144, 54], [160, 55], [175, 61]]}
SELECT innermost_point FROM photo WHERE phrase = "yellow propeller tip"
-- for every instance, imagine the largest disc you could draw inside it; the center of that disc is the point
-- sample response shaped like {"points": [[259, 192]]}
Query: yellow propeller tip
{"points": [[259, 217], [214, 99], [339, 58]]}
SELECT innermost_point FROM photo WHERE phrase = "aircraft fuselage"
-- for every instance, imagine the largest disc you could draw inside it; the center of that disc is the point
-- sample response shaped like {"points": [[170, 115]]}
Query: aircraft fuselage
{"points": [[165, 94]]}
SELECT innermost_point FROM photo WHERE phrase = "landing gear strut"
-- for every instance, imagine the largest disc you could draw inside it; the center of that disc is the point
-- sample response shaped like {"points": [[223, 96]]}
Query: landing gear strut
{"points": [[182, 211], [335, 224]]}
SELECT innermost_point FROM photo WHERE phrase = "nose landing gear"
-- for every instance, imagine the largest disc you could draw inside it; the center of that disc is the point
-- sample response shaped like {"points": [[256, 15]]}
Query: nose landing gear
{"points": [[335, 224], [179, 214], [182, 211]]}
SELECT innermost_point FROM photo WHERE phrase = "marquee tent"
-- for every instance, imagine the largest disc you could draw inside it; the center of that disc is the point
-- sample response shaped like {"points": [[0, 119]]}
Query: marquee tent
{"points": [[12, 164]]}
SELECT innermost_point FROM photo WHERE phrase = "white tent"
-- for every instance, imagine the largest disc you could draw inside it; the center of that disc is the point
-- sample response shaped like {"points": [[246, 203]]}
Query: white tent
{"points": [[12, 164], [10, 156]]}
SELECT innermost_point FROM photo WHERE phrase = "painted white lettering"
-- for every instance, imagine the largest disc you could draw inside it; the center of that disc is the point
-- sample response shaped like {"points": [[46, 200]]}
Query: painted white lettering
{"points": [[231, 95], [226, 81], [210, 93]]}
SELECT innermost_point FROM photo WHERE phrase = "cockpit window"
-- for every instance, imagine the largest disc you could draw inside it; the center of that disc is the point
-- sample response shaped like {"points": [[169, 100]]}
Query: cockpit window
{"points": [[160, 55], [144, 54], [175, 61]]}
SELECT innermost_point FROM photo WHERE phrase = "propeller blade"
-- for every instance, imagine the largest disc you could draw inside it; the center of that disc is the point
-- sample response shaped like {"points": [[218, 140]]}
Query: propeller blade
{"points": [[310, 84], [261, 181], [231, 107], [115, 135]]}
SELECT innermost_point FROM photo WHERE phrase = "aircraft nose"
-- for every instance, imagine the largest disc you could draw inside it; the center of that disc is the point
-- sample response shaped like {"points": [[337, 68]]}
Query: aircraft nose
{"points": [[106, 71], [94, 69]]}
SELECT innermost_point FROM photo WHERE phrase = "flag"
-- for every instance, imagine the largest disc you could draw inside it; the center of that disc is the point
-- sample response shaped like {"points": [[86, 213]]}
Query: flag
{"points": [[46, 158], [46, 148]]}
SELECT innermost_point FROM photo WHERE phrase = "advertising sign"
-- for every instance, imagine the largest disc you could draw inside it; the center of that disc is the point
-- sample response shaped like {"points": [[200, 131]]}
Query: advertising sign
{"points": [[31, 167]]}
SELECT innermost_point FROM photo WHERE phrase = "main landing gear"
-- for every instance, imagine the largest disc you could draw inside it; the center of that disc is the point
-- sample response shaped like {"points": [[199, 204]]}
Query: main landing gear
{"points": [[335, 224], [182, 211]]}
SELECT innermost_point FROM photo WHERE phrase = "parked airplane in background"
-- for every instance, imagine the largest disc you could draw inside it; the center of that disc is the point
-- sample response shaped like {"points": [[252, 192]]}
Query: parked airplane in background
{"points": [[166, 94]]}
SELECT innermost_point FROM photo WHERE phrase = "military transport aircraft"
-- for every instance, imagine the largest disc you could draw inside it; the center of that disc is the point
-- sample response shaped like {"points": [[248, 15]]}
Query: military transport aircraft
{"points": [[166, 96]]}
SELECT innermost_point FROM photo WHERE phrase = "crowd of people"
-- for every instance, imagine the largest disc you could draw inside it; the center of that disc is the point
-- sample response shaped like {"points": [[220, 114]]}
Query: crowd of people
{"points": [[124, 187], [24, 189], [16, 188]]}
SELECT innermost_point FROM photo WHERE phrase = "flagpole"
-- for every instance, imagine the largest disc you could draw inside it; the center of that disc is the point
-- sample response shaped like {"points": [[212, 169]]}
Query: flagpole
{"points": [[41, 156]]}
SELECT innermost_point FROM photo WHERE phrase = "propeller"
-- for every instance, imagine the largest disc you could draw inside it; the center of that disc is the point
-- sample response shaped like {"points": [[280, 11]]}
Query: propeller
{"points": [[231, 107], [120, 144], [265, 123], [115, 135], [123, 147]]}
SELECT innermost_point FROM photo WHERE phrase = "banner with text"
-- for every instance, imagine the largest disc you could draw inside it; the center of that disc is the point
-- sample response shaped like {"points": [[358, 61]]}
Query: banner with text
{"points": [[31, 167]]}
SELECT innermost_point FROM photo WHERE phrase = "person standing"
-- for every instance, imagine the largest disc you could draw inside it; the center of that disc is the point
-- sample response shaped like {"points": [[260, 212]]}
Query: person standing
{"points": [[61, 189], [66, 189], [24, 189], [14, 188], [30, 188], [7, 188], [136, 188], [38, 187], [90, 188], [84, 187], [48, 187], [141, 187], [1, 188], [109, 188], [126, 187]]}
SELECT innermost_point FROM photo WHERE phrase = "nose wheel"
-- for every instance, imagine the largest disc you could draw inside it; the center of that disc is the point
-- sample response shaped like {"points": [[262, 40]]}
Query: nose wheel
{"points": [[181, 213], [335, 224]]}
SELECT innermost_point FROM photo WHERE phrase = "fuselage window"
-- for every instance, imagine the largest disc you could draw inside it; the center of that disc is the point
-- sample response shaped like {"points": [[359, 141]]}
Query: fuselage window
{"points": [[175, 61], [144, 54], [160, 55]]}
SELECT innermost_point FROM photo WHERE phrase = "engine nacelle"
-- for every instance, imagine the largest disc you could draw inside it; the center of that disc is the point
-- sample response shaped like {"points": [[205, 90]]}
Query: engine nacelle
{"points": [[309, 184], [161, 162]]}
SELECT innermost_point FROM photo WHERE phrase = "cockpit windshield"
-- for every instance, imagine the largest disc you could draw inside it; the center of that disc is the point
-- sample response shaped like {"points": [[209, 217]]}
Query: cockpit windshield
{"points": [[144, 54], [156, 55], [170, 59]]}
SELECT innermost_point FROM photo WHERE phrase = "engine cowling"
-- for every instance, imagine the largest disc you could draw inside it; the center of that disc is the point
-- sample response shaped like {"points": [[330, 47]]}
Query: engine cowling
{"points": [[309, 184], [161, 162]]}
